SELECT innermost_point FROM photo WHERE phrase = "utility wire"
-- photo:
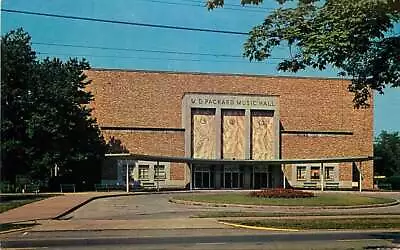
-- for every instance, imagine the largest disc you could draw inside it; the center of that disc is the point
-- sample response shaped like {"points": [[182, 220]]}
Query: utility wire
{"points": [[244, 7], [124, 22], [137, 50], [146, 50], [151, 58], [202, 5]]}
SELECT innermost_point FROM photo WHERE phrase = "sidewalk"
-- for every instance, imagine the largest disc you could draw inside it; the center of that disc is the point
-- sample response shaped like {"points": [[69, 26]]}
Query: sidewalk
{"points": [[52, 207], [153, 224]]}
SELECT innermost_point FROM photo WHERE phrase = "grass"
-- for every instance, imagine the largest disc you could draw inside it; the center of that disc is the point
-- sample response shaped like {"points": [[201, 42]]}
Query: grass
{"points": [[7, 205], [325, 199], [6, 227], [222, 214], [348, 223]]}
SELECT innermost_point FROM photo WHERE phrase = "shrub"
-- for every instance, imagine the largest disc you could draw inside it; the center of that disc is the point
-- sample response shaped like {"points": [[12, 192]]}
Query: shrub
{"points": [[281, 193]]}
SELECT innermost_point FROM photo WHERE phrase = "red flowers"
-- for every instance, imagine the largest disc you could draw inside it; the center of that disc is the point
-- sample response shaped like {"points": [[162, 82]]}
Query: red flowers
{"points": [[281, 193]]}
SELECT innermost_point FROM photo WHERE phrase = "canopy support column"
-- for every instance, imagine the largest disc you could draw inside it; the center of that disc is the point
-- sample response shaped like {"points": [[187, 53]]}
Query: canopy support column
{"points": [[322, 176], [284, 177], [360, 177], [158, 176], [191, 176], [127, 177]]}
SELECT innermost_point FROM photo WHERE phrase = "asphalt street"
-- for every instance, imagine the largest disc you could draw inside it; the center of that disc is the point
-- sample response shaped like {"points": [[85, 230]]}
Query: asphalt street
{"points": [[194, 238]]}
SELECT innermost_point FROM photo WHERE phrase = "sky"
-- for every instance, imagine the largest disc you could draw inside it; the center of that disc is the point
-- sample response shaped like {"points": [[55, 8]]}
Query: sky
{"points": [[150, 48]]}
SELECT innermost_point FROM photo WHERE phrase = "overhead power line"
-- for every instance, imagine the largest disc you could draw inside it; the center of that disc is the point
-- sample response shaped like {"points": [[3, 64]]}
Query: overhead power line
{"points": [[145, 50], [235, 5], [149, 58], [137, 50], [202, 5], [124, 22]]}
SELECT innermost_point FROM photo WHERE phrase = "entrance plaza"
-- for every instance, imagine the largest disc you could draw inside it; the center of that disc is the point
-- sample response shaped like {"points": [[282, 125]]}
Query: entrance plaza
{"points": [[218, 131]]}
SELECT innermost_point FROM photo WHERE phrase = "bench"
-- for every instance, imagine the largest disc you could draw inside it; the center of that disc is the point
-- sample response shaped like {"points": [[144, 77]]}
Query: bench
{"points": [[108, 187], [310, 185], [6, 187], [332, 185], [385, 186], [148, 185], [31, 188], [67, 188], [101, 187]]}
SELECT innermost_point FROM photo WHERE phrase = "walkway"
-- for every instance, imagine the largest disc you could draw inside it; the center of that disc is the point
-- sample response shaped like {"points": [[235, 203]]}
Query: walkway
{"points": [[50, 208]]}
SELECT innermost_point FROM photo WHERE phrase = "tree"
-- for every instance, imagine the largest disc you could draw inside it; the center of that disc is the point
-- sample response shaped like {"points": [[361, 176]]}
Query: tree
{"points": [[387, 148], [115, 146], [354, 36], [45, 115]]}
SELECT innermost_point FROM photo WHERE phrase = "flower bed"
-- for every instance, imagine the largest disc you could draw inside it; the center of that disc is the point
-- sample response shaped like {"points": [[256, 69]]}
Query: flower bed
{"points": [[281, 193]]}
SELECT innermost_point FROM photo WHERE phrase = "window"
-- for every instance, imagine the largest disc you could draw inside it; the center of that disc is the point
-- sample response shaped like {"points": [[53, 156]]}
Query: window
{"points": [[301, 172], [329, 173], [159, 172], [143, 172], [315, 173]]}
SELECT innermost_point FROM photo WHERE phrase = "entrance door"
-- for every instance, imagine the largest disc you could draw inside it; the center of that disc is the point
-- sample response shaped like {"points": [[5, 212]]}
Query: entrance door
{"points": [[261, 177], [232, 177], [203, 177]]}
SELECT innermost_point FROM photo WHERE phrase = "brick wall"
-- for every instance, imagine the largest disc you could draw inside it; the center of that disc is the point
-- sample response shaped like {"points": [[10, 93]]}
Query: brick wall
{"points": [[150, 142], [153, 99]]}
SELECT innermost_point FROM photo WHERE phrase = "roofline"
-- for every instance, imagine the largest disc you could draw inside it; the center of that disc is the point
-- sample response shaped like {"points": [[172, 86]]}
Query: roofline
{"points": [[229, 94], [216, 74], [127, 156]]}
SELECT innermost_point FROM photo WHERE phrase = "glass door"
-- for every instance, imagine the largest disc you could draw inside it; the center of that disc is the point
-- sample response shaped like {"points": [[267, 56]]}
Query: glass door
{"points": [[261, 177], [203, 177], [232, 177]]}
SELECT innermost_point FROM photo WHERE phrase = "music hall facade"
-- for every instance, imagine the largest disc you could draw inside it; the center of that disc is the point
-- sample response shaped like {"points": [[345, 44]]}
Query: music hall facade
{"points": [[232, 131]]}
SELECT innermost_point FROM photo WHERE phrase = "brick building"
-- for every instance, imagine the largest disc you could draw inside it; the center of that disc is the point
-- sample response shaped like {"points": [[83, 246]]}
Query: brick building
{"points": [[242, 122]]}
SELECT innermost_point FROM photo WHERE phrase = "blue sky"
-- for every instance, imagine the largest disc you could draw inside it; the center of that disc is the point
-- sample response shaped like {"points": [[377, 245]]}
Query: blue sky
{"points": [[188, 13]]}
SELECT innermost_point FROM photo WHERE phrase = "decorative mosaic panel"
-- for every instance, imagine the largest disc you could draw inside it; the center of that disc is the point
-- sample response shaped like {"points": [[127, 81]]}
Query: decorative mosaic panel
{"points": [[203, 133], [262, 135], [233, 134]]}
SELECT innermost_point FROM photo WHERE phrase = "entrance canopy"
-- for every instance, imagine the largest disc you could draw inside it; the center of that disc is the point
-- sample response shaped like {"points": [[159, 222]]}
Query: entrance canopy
{"points": [[197, 173], [127, 156]]}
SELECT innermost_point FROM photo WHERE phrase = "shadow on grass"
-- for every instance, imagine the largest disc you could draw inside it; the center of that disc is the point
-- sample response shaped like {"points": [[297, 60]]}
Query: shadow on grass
{"points": [[13, 226]]}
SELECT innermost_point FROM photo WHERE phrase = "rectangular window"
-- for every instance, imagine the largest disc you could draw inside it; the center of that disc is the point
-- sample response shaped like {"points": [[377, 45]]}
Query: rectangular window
{"points": [[315, 173], [143, 172], [329, 173], [301, 172], [159, 172]]}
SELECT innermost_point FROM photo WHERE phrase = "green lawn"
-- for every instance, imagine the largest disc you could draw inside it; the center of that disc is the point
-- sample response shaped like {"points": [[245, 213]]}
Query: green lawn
{"points": [[325, 199], [6, 227], [222, 214], [348, 223], [7, 205]]}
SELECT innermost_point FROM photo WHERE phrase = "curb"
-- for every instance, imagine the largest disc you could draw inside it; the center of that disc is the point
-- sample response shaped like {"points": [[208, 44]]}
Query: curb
{"points": [[209, 204], [258, 228]]}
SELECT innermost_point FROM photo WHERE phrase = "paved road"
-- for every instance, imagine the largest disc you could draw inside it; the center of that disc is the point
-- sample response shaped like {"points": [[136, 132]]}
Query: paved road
{"points": [[157, 206], [202, 239]]}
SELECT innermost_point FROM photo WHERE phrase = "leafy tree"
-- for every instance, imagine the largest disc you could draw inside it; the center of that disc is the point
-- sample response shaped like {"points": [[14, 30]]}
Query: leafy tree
{"points": [[45, 115], [115, 146], [387, 148], [354, 36]]}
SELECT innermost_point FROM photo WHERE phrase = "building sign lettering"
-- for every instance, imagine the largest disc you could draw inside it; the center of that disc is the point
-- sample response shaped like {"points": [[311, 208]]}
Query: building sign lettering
{"points": [[247, 102]]}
